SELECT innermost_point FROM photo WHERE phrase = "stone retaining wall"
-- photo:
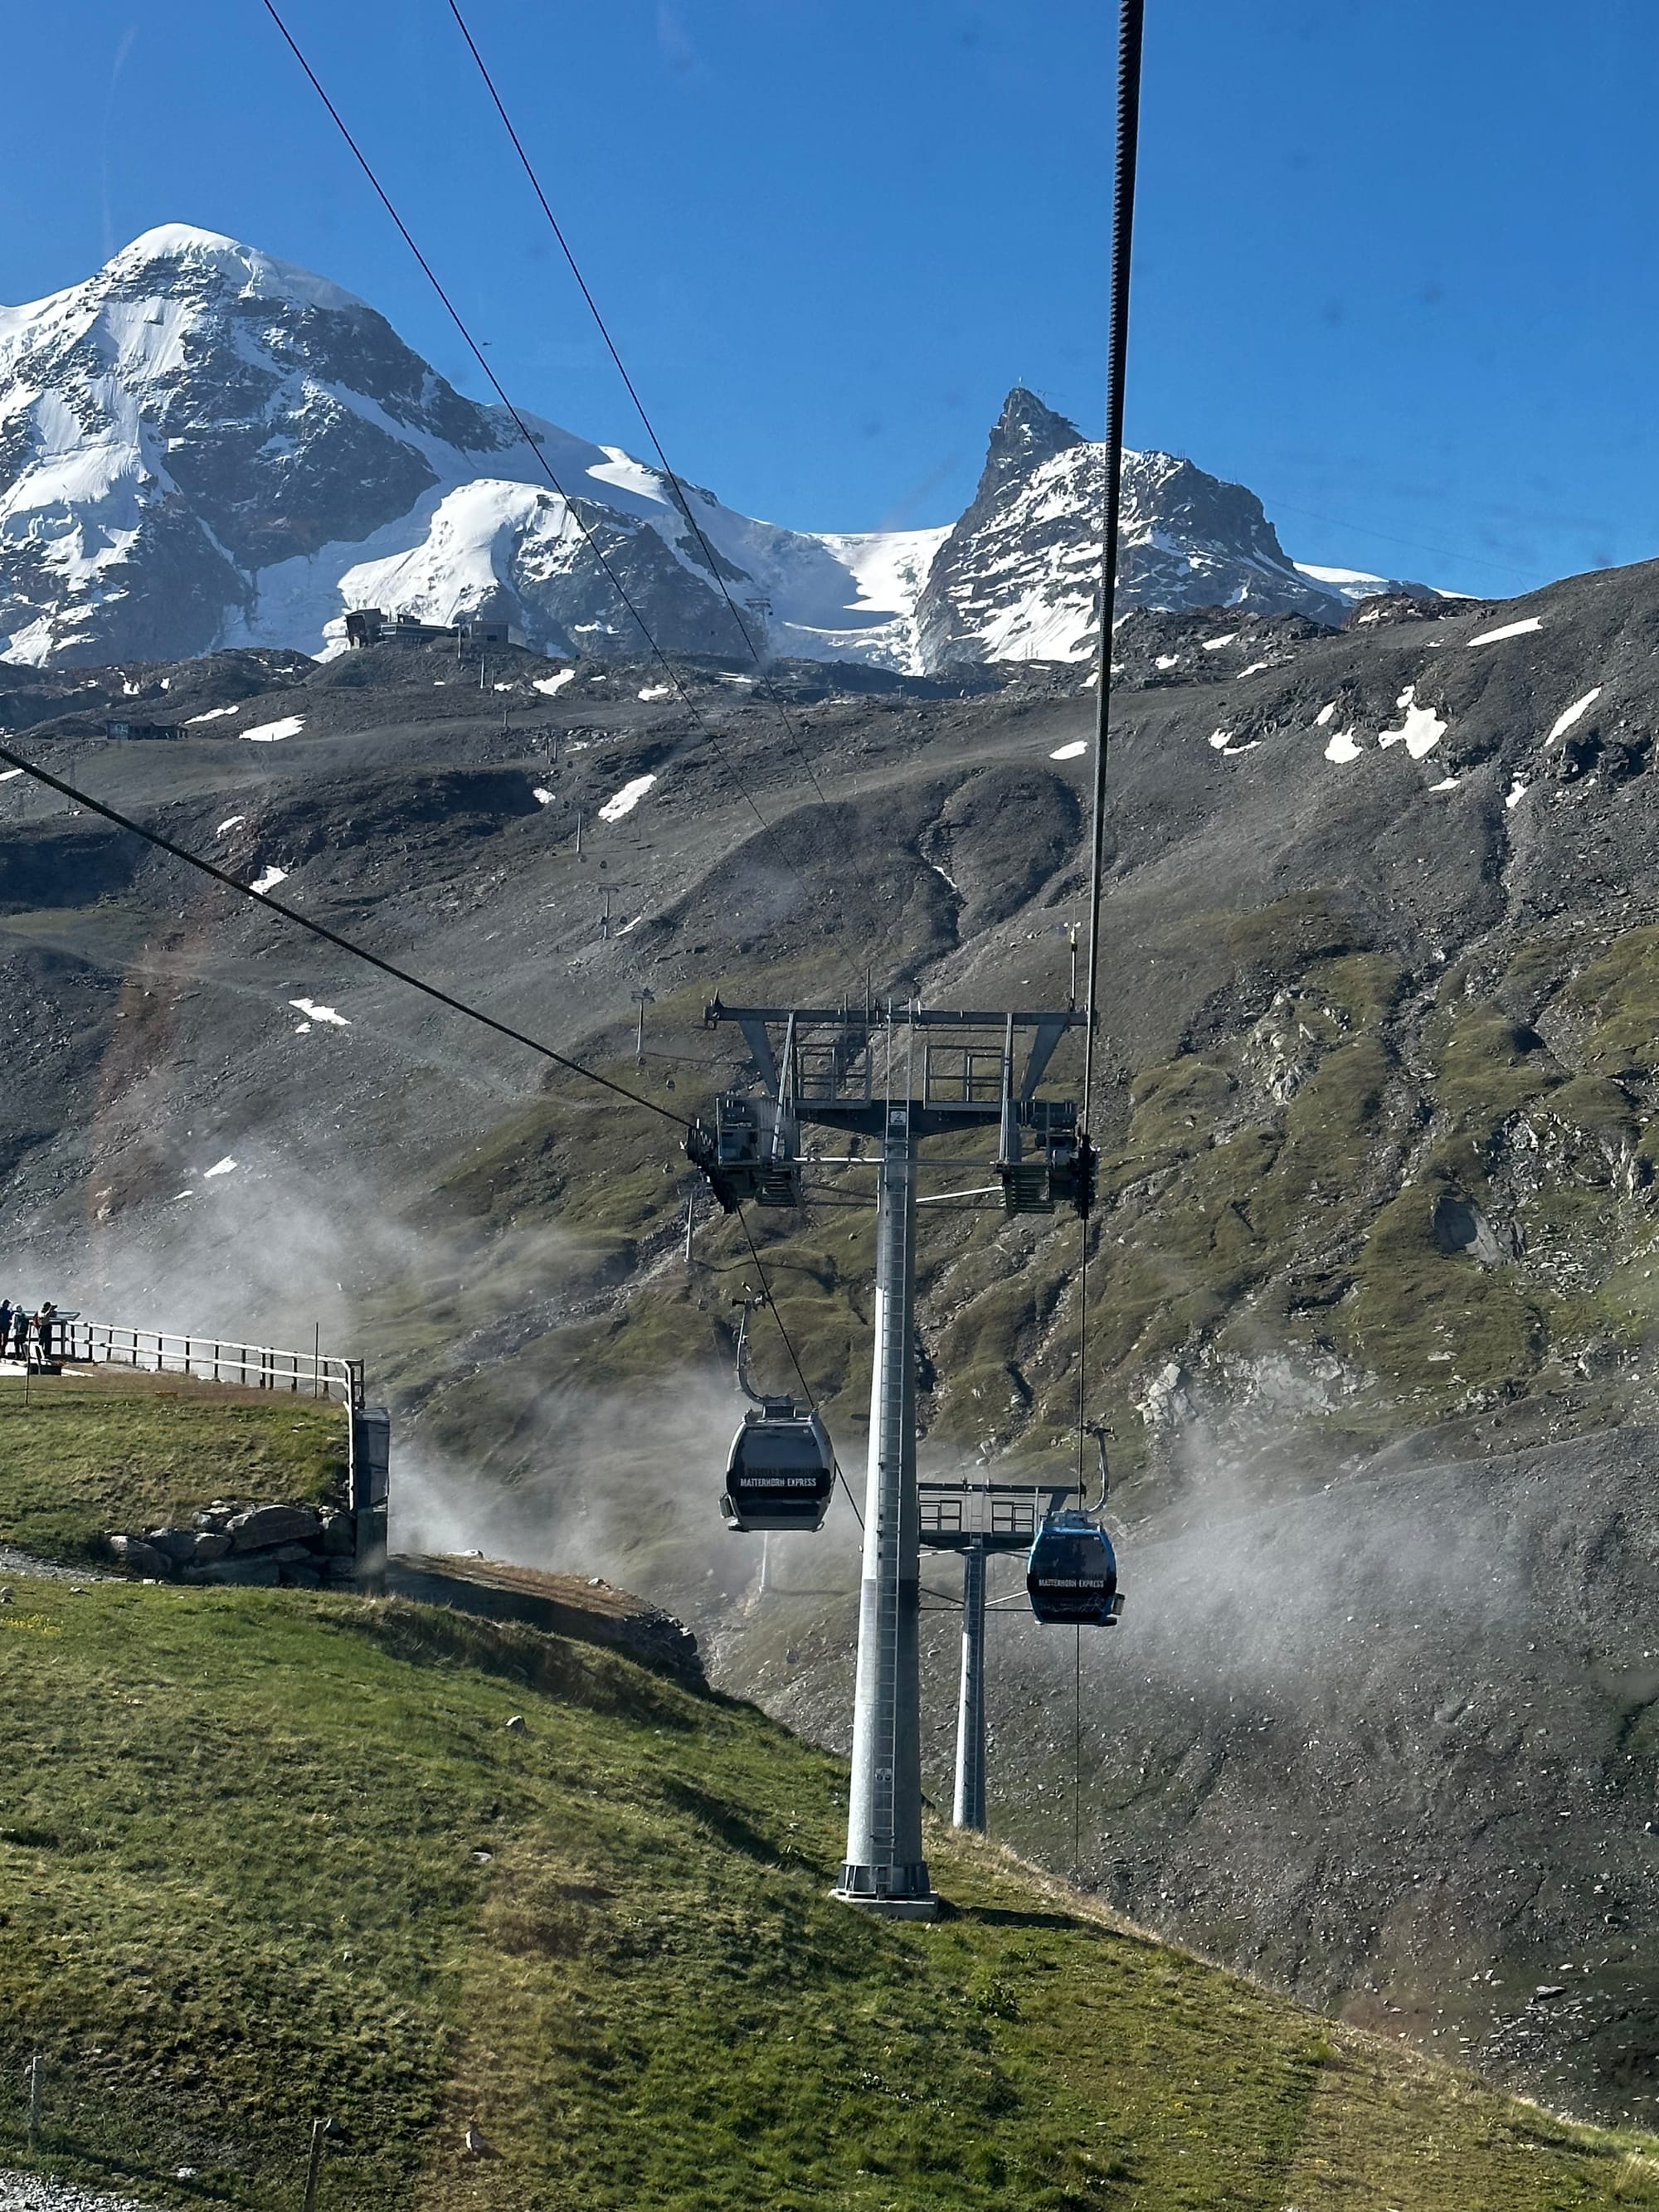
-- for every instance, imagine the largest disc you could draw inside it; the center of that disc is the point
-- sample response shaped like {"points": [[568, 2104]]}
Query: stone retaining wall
{"points": [[303, 1546]]}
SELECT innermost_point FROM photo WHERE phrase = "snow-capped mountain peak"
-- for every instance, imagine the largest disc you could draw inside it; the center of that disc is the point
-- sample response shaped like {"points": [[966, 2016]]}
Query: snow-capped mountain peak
{"points": [[1018, 577], [201, 445], [174, 249]]}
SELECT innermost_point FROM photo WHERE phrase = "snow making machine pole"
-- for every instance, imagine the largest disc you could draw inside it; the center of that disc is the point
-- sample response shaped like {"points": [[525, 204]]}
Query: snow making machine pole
{"points": [[857, 1072]]}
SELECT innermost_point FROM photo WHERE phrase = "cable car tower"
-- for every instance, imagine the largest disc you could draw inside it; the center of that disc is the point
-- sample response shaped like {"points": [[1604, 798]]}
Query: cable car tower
{"points": [[827, 1074], [858, 1073], [978, 1519]]}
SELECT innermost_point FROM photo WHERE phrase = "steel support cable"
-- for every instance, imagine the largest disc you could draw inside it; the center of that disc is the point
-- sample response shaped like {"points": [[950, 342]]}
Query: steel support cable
{"points": [[429, 990], [591, 543], [674, 484], [1131, 19], [1131, 27], [615, 581], [788, 1345], [333, 937]]}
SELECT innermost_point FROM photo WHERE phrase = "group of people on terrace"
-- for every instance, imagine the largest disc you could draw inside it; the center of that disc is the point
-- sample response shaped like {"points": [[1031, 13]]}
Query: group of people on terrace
{"points": [[27, 1337]]}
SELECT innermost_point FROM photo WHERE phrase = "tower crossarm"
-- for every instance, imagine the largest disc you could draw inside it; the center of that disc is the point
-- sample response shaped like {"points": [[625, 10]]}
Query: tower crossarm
{"points": [[968, 1066], [899, 1015]]}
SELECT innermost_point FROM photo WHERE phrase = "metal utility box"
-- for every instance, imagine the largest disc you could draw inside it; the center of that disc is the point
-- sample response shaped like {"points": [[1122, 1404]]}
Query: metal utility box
{"points": [[370, 1480]]}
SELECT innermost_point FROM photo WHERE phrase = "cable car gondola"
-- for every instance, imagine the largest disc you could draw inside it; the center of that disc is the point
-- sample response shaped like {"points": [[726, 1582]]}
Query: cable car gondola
{"points": [[781, 1469], [1071, 1570]]}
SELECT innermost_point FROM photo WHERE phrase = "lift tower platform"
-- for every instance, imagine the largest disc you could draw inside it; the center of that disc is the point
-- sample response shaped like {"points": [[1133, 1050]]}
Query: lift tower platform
{"points": [[857, 1072]]}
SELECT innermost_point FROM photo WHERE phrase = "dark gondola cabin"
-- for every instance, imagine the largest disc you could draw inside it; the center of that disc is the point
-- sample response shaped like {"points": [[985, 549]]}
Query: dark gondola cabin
{"points": [[781, 1469], [1071, 1571]]}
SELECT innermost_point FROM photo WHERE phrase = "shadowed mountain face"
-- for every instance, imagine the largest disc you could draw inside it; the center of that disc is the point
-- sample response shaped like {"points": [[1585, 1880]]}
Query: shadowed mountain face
{"points": [[203, 446], [1373, 1268]]}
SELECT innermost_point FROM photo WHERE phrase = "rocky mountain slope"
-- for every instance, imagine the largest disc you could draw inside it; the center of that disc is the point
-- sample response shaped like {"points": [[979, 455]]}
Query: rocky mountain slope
{"points": [[1374, 1268], [203, 446]]}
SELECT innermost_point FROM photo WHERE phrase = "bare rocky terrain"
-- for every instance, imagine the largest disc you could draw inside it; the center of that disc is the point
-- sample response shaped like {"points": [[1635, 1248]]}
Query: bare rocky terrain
{"points": [[1374, 1258]]}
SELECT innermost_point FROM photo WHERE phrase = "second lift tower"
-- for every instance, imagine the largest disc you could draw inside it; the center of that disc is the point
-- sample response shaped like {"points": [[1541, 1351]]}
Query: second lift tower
{"points": [[858, 1073]]}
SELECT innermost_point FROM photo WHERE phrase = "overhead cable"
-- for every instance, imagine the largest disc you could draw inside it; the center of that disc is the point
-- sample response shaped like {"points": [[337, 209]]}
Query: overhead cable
{"points": [[333, 937], [1131, 18], [1131, 24], [305, 922], [1131, 21], [676, 487], [315, 928], [523, 427]]}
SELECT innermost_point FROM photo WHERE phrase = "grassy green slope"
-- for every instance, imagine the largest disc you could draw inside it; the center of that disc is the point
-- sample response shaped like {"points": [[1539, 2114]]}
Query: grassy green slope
{"points": [[263, 1855], [108, 1453]]}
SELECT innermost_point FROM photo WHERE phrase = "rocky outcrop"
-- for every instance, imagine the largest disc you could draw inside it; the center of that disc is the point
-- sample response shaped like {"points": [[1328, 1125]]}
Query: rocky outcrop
{"points": [[1458, 1224]]}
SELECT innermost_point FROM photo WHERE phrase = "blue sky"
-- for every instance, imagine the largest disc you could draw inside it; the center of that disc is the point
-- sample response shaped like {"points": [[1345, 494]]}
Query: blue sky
{"points": [[1395, 266]]}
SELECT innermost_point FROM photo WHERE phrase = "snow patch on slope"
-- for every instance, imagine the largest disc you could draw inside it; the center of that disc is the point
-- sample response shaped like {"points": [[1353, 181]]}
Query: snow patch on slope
{"points": [[1421, 732], [1350, 584], [626, 800], [1565, 720], [1509, 630], [465, 555]]}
